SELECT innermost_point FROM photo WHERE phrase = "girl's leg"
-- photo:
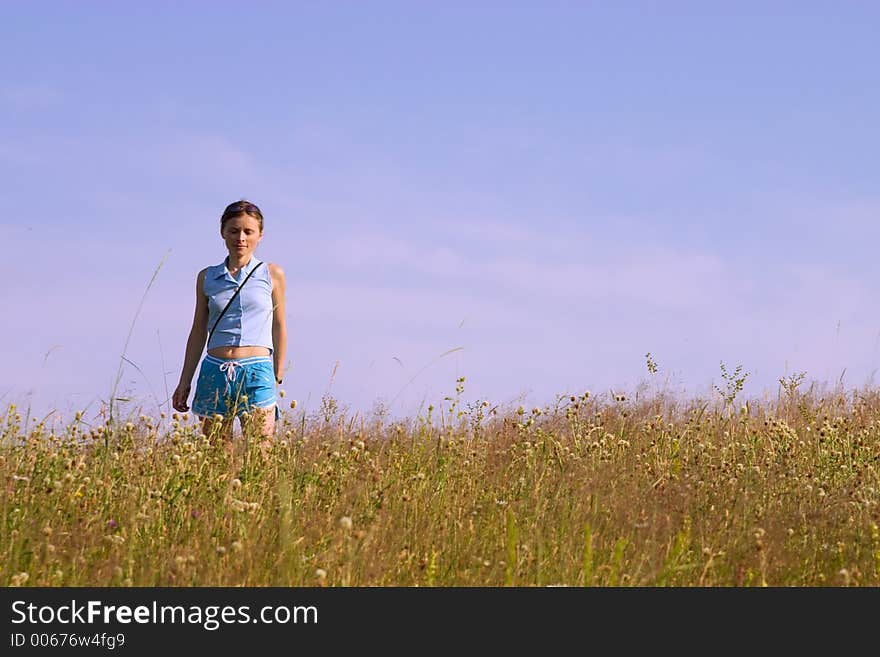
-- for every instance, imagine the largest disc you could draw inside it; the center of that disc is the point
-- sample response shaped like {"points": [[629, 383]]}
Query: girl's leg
{"points": [[218, 428], [260, 390], [264, 422], [209, 402], [261, 425]]}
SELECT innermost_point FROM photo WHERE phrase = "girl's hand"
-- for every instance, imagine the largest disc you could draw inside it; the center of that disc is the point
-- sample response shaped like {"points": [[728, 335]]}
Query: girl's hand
{"points": [[178, 399]]}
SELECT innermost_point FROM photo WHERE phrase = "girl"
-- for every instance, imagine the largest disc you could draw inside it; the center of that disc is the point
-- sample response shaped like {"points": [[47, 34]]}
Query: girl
{"points": [[241, 302]]}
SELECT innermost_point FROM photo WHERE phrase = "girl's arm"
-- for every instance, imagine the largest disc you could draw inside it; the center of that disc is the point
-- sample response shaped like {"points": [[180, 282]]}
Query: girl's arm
{"points": [[279, 320], [198, 334]]}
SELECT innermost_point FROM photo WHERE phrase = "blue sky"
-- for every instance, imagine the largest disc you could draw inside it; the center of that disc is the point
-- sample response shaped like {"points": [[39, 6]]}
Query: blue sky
{"points": [[554, 189]]}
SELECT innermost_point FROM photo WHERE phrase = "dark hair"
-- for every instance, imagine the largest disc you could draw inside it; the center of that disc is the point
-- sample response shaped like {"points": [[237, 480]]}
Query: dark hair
{"points": [[241, 207]]}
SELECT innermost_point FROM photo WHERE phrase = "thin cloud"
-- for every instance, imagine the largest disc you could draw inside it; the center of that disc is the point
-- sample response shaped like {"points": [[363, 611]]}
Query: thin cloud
{"points": [[30, 97], [657, 275], [206, 157]]}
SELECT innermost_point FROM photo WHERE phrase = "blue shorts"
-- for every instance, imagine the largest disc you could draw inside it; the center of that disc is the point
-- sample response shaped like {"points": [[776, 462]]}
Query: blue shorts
{"points": [[232, 387]]}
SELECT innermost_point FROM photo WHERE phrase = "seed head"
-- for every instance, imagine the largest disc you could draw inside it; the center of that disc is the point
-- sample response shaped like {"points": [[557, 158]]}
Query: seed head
{"points": [[19, 579]]}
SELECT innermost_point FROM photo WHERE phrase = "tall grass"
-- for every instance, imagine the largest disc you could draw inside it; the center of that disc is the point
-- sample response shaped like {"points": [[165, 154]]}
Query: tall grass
{"points": [[588, 491]]}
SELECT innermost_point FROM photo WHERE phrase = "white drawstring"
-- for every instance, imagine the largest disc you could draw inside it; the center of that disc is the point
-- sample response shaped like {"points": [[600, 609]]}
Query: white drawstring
{"points": [[229, 367]]}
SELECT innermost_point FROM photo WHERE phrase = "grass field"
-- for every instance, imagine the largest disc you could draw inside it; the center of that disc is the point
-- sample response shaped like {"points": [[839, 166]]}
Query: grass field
{"points": [[592, 490]]}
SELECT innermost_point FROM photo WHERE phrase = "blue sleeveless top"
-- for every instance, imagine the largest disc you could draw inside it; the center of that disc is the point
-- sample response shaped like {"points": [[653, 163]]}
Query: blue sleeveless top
{"points": [[248, 320]]}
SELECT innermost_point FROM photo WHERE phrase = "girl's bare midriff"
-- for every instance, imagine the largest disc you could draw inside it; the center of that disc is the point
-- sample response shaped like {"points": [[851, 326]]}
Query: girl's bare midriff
{"points": [[238, 352]]}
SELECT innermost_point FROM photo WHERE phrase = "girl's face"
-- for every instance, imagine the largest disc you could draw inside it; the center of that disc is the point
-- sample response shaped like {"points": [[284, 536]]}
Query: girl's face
{"points": [[241, 234]]}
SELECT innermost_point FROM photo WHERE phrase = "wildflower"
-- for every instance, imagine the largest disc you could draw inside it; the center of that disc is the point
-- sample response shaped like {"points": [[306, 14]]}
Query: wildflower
{"points": [[345, 523], [112, 524], [19, 579], [237, 546], [236, 483], [321, 574]]}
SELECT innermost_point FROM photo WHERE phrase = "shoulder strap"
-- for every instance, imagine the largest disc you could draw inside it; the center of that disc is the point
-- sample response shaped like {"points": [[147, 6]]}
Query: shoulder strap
{"points": [[234, 294]]}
